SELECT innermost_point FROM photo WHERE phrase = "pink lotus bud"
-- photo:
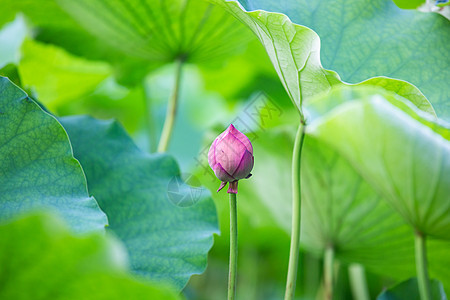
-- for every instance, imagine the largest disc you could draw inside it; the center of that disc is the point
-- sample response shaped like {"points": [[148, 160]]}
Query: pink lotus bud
{"points": [[231, 158]]}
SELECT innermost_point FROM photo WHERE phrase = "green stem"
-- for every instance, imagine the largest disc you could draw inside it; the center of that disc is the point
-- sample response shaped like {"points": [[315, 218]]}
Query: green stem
{"points": [[421, 266], [151, 130], [296, 214], [171, 110], [328, 272], [233, 248], [358, 282]]}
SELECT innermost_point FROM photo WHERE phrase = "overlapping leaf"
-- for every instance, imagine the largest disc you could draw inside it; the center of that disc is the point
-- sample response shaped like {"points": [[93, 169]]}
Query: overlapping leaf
{"points": [[37, 167], [140, 193], [342, 211], [41, 260], [360, 39], [346, 173], [401, 153]]}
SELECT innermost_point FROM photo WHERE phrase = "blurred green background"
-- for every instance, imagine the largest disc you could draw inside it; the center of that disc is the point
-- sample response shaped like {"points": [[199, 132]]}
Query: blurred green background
{"points": [[47, 48]]}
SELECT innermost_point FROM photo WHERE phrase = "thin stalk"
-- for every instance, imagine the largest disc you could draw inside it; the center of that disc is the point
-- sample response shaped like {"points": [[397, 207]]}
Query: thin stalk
{"points": [[358, 282], [422, 266], [151, 129], [328, 272], [296, 214], [171, 110], [233, 248]]}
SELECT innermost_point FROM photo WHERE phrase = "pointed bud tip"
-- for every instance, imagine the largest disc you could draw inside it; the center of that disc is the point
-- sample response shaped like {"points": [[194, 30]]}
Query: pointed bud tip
{"points": [[231, 128]]}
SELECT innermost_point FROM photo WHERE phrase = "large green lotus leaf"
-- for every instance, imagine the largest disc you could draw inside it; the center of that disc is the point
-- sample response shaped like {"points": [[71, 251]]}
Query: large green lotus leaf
{"points": [[166, 225], [161, 30], [340, 209], [41, 259], [37, 167], [51, 24], [397, 149], [295, 53], [57, 76], [362, 39]]}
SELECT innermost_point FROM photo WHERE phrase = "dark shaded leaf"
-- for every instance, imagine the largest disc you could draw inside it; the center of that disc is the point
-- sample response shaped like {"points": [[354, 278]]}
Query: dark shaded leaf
{"points": [[166, 225]]}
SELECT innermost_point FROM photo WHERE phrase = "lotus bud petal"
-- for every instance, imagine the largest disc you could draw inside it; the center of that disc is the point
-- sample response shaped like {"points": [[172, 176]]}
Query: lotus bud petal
{"points": [[231, 158]]}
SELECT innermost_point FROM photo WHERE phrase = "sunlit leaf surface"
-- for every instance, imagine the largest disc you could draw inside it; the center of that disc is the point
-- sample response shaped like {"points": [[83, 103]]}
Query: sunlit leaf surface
{"points": [[62, 77], [360, 39]]}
